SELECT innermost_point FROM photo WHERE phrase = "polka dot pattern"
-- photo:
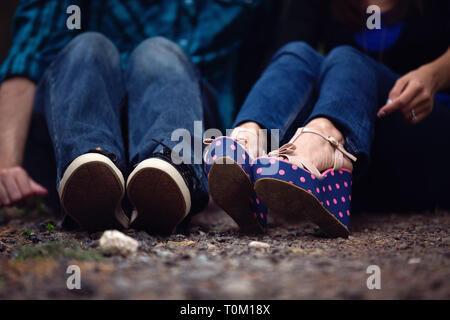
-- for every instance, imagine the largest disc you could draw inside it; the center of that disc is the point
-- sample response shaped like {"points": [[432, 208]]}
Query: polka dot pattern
{"points": [[333, 191]]}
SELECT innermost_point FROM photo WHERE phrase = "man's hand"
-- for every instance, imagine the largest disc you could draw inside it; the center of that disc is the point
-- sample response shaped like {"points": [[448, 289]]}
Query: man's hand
{"points": [[17, 188], [412, 95], [16, 104]]}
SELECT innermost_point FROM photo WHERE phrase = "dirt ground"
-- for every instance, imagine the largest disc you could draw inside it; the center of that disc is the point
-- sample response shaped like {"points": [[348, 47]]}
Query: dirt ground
{"points": [[211, 260]]}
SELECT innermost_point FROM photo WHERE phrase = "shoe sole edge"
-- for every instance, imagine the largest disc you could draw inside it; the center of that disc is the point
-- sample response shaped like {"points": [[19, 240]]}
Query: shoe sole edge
{"points": [[81, 192], [223, 175], [283, 198], [141, 185]]}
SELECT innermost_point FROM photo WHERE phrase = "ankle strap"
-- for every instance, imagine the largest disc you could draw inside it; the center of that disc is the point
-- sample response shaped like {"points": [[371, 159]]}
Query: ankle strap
{"points": [[253, 150], [287, 150]]}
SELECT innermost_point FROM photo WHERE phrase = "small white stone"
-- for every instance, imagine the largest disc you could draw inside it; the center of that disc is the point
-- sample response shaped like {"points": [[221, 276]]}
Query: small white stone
{"points": [[414, 261], [259, 245], [114, 242]]}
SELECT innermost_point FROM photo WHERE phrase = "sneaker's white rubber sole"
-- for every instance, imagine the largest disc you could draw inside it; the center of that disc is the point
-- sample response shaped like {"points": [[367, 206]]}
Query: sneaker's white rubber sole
{"points": [[160, 195], [91, 192]]}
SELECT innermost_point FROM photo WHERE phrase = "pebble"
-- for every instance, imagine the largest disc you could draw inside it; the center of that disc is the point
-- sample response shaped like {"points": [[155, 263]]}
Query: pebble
{"points": [[164, 253], [114, 242], [177, 237], [34, 238], [414, 261], [259, 245], [238, 288]]}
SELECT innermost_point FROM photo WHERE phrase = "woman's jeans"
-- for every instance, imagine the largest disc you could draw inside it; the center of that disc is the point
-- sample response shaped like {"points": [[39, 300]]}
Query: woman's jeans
{"points": [[86, 100], [400, 166]]}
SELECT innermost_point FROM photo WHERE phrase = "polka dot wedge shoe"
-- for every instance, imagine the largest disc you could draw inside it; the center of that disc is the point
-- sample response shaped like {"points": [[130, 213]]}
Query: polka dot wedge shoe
{"points": [[292, 187], [227, 164]]}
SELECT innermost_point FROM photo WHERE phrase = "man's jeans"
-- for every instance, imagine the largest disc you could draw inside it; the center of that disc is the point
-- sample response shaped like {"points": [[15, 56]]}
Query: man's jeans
{"points": [[88, 101], [407, 169]]}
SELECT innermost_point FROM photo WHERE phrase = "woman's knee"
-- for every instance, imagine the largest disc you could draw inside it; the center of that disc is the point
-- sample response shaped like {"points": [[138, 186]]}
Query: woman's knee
{"points": [[345, 53], [159, 54]]}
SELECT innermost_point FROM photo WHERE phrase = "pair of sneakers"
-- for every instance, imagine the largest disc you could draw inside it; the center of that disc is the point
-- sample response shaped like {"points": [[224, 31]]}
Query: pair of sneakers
{"points": [[93, 187], [245, 185]]}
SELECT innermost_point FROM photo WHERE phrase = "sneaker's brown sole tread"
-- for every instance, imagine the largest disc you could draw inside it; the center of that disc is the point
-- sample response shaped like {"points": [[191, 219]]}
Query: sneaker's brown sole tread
{"points": [[158, 201], [91, 196]]}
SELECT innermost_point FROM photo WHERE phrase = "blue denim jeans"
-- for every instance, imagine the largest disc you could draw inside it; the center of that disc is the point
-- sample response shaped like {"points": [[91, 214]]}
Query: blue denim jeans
{"points": [[87, 101], [348, 87]]}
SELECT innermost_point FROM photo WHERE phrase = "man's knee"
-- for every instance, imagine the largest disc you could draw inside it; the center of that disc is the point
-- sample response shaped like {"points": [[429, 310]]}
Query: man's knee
{"points": [[159, 54], [91, 45], [297, 47]]}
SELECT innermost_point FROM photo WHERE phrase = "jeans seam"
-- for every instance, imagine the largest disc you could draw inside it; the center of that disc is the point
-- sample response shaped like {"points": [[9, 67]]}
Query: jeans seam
{"points": [[351, 145]]}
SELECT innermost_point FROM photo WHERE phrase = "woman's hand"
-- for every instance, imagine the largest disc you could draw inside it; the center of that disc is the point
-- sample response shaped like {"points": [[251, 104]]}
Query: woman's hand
{"points": [[412, 95]]}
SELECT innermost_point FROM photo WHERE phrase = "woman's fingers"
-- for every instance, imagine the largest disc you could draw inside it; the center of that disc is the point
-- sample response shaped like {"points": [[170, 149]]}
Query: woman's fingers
{"points": [[421, 105], [416, 113], [398, 88], [402, 101], [418, 105], [420, 116]]}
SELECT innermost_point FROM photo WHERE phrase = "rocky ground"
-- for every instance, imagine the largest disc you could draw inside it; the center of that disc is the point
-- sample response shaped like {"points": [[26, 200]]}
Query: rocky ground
{"points": [[211, 260]]}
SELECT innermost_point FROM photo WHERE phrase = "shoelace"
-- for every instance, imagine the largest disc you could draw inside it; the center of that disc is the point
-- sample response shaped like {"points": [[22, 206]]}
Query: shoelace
{"points": [[286, 151], [186, 170], [112, 156]]}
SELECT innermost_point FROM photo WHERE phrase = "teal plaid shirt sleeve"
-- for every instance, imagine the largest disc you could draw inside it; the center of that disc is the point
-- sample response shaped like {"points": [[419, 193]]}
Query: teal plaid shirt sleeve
{"points": [[39, 30]]}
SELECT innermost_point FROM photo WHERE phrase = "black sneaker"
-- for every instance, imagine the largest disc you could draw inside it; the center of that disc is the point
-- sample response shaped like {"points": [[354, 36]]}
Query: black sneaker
{"points": [[162, 192], [91, 191]]}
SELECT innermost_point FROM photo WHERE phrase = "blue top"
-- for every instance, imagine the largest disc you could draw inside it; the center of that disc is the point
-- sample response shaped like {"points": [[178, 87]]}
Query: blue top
{"points": [[209, 31], [378, 40]]}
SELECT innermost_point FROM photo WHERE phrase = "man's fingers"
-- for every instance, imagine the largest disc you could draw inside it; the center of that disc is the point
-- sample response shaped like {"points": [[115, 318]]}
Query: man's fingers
{"points": [[17, 188], [11, 187], [4, 197], [404, 100], [23, 182], [37, 189]]}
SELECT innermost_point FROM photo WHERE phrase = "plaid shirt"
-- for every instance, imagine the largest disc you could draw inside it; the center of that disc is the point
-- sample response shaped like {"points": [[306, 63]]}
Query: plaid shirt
{"points": [[209, 31]]}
